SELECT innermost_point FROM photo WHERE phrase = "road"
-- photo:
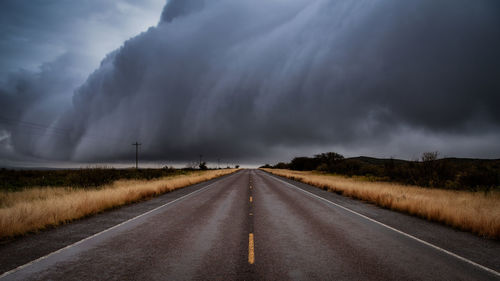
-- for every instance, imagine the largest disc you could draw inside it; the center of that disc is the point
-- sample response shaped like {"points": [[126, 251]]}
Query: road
{"points": [[255, 226]]}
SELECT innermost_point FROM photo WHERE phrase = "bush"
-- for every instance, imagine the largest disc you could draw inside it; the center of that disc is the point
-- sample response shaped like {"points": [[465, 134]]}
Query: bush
{"points": [[203, 166]]}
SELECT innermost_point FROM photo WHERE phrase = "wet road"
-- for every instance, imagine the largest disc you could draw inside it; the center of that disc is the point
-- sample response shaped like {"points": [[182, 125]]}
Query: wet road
{"points": [[254, 226]]}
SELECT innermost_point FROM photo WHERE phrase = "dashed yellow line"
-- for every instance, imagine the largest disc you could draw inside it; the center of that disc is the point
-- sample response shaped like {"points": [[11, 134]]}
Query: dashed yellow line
{"points": [[251, 255], [251, 199]]}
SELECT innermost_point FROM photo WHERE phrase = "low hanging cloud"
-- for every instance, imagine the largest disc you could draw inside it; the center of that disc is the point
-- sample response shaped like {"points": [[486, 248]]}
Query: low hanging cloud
{"points": [[31, 102], [248, 80]]}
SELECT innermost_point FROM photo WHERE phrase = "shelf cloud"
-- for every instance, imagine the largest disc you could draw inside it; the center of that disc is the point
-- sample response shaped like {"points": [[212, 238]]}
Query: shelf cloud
{"points": [[259, 80]]}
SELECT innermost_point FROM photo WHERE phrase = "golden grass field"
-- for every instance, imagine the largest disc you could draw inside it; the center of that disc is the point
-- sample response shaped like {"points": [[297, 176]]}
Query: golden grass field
{"points": [[476, 212], [36, 208]]}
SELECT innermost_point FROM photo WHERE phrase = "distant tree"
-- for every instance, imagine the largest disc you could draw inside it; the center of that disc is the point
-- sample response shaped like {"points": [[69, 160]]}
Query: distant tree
{"points": [[304, 163], [237, 166], [203, 166], [266, 166], [329, 157], [429, 156], [429, 175], [281, 165], [328, 162]]}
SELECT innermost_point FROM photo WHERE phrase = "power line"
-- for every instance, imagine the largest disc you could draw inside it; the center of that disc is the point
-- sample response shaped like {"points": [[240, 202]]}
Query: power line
{"points": [[50, 129], [41, 130], [32, 125]]}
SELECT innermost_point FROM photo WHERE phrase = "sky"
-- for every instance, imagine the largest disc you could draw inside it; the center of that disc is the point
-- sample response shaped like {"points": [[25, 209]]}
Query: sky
{"points": [[247, 82]]}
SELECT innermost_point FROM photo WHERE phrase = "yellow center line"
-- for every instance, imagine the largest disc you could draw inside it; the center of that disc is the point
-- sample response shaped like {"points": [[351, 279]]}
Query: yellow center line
{"points": [[251, 198], [251, 255]]}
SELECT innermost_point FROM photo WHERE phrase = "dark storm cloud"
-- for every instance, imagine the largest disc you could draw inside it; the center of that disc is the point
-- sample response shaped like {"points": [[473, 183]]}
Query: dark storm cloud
{"points": [[47, 49], [249, 80], [41, 96]]}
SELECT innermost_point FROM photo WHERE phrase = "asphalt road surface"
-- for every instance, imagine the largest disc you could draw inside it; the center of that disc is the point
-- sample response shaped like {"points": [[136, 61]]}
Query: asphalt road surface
{"points": [[254, 226]]}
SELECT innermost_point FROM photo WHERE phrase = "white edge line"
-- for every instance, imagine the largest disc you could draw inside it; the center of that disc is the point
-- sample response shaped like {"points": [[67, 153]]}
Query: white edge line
{"points": [[394, 229], [5, 274]]}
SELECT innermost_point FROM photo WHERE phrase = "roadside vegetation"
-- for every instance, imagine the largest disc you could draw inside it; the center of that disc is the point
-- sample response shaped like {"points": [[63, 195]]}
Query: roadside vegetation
{"points": [[16, 180], [477, 212], [428, 171], [25, 208]]}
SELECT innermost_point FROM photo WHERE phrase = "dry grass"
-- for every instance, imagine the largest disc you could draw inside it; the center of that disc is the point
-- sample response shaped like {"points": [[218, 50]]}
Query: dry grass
{"points": [[476, 212], [36, 208]]}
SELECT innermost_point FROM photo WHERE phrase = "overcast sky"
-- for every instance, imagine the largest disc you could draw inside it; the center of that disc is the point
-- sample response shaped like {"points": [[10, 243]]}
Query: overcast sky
{"points": [[247, 81]]}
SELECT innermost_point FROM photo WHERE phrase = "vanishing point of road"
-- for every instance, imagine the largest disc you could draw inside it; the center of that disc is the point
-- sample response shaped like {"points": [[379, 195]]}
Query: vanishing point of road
{"points": [[251, 226]]}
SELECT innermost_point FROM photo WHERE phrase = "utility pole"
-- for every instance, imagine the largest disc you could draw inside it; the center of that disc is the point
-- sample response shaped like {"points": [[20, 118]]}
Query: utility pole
{"points": [[201, 156], [218, 163], [136, 154]]}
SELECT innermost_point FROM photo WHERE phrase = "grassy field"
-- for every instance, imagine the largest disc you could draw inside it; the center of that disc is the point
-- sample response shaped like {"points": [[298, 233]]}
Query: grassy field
{"points": [[16, 180], [477, 212], [35, 208]]}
